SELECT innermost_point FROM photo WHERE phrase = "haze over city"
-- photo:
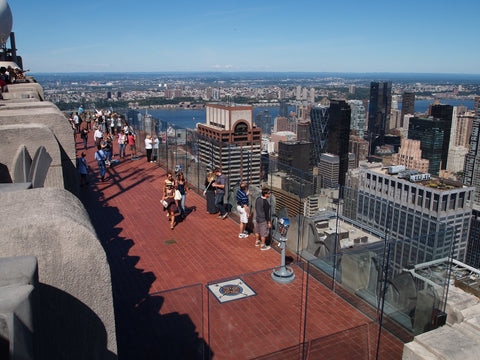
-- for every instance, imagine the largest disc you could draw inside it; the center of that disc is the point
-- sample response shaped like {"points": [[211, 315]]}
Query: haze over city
{"points": [[308, 36]]}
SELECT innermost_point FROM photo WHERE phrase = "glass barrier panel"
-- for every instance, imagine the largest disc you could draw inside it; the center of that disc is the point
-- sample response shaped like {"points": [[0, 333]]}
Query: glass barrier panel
{"points": [[176, 323], [252, 316]]}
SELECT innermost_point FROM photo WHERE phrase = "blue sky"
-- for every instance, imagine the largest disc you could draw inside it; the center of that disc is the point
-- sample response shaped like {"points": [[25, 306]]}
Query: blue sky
{"points": [[262, 35]]}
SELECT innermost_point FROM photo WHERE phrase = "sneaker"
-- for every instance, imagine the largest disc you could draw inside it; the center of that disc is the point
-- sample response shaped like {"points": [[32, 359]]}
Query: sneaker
{"points": [[257, 243], [242, 235], [264, 247], [224, 216]]}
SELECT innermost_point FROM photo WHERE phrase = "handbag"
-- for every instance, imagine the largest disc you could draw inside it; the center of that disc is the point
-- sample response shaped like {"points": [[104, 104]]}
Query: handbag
{"points": [[178, 196], [165, 204]]}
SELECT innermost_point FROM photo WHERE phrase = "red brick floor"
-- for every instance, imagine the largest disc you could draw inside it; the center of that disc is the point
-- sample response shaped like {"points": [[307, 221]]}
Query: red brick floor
{"points": [[162, 306]]}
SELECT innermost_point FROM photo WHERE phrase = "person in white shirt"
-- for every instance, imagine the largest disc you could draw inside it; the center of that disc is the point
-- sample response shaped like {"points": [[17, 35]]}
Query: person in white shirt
{"points": [[148, 147], [97, 136]]}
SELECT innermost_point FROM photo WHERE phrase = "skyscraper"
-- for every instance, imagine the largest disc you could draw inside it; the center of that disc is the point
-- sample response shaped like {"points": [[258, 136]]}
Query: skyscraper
{"points": [[471, 170], [283, 108], [408, 104], [330, 132], [446, 113], [229, 140], [358, 117], [430, 132], [379, 112]]}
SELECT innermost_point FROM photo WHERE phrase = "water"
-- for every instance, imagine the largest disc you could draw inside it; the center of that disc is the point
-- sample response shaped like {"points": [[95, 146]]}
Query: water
{"points": [[422, 105], [181, 118], [189, 118]]}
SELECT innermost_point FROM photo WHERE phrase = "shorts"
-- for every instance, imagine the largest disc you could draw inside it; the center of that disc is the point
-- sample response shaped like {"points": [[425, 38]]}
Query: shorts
{"points": [[262, 229], [243, 214]]}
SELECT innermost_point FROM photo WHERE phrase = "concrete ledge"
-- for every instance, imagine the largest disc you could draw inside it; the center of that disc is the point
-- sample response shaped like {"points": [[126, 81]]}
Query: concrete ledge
{"points": [[20, 270], [16, 304], [21, 90], [75, 284], [459, 339]]}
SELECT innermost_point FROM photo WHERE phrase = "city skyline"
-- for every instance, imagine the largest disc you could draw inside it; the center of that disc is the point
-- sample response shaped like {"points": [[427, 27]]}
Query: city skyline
{"points": [[371, 36]]}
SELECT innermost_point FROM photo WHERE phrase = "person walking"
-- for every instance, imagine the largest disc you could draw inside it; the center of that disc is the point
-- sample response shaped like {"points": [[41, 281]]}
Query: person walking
{"points": [[82, 167], [219, 186], [210, 193], [182, 188], [100, 156], [242, 209], [263, 224], [84, 134], [98, 136], [168, 199]]}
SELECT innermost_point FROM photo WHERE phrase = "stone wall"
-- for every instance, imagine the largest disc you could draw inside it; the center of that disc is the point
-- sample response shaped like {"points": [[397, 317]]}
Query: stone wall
{"points": [[74, 315]]}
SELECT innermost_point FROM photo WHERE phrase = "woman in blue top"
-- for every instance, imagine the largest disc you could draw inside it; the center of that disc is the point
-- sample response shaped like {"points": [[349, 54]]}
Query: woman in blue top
{"points": [[182, 187]]}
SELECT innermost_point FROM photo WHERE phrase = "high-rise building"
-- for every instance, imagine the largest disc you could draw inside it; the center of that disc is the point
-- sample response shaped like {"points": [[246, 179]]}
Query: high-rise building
{"points": [[295, 155], [379, 112], [473, 249], [358, 117], [410, 155], [330, 132], [471, 171], [230, 140], [359, 148], [280, 124], [408, 104], [448, 114], [283, 109], [430, 132], [263, 120], [432, 217], [303, 131], [476, 106]]}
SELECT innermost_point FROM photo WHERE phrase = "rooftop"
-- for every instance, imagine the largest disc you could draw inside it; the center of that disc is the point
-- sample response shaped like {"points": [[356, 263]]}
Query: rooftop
{"points": [[159, 280]]}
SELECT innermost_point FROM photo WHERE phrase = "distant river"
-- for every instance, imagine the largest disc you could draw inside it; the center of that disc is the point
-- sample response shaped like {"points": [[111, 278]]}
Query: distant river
{"points": [[422, 105], [189, 118]]}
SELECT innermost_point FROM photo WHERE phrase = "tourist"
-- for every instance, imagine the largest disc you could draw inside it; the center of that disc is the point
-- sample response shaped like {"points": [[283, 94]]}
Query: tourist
{"points": [[132, 146], [76, 122], [84, 133], [156, 142], [82, 167], [107, 147], [97, 136], [101, 157], [262, 218], [210, 193], [242, 208], [119, 123], [182, 188], [122, 140], [112, 124], [219, 186], [169, 187], [149, 147]]}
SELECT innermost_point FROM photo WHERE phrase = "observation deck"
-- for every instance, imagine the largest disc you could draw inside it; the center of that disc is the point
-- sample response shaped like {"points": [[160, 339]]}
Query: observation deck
{"points": [[160, 279]]}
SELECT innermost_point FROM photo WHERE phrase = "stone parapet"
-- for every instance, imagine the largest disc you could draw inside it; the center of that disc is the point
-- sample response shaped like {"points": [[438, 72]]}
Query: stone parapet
{"points": [[74, 276]]}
